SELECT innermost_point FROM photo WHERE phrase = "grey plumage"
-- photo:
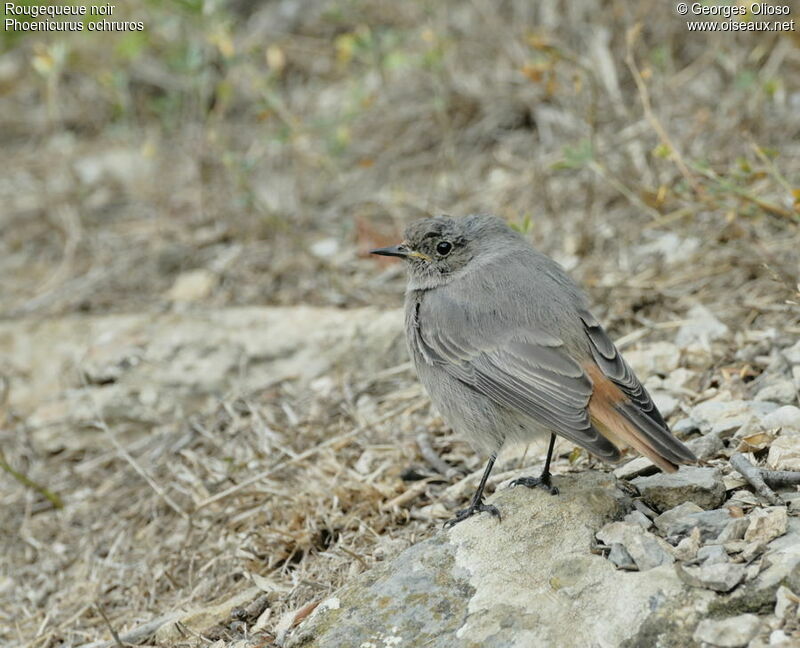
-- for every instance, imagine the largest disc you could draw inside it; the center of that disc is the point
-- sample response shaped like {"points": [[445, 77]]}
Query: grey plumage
{"points": [[504, 343]]}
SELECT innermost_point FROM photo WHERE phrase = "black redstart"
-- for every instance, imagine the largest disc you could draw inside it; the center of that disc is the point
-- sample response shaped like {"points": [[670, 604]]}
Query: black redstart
{"points": [[504, 343]]}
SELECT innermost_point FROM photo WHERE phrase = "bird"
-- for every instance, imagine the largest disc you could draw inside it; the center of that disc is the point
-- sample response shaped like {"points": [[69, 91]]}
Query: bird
{"points": [[504, 343]]}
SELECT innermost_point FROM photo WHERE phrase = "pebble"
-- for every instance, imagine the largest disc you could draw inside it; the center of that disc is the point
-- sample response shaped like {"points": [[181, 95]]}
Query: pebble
{"points": [[786, 417], [685, 517], [707, 446], [784, 452], [645, 549], [767, 524], [732, 632], [637, 517], [702, 327], [712, 554], [734, 530], [703, 486], [720, 577], [635, 467], [792, 354], [725, 417], [659, 358], [781, 391], [621, 558]]}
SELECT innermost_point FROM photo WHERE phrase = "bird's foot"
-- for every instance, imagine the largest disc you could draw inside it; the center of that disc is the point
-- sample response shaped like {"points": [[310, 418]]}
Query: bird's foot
{"points": [[537, 482], [472, 509]]}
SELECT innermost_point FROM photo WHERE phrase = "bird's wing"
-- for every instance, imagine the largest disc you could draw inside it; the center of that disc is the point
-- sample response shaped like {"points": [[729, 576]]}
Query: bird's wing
{"points": [[635, 407], [521, 368]]}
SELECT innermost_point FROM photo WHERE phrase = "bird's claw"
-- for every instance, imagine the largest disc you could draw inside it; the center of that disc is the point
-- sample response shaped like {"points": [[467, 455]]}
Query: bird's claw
{"points": [[471, 510], [536, 482]]}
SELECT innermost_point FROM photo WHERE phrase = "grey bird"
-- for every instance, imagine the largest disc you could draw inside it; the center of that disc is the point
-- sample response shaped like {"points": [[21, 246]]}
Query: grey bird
{"points": [[504, 343]]}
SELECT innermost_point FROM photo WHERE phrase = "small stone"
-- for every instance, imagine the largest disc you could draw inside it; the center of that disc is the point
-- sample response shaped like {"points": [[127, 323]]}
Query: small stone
{"points": [[637, 517], [621, 558], [326, 248], [734, 530], [193, 286], [685, 426], [724, 417], [786, 603], [784, 452], [767, 524], [634, 468], [666, 403], [688, 547], [712, 554], [701, 328], [779, 638], [646, 550], [792, 354], [752, 549], [781, 391], [706, 446], [703, 486], [732, 632], [679, 380], [720, 577], [678, 522], [785, 418], [658, 358]]}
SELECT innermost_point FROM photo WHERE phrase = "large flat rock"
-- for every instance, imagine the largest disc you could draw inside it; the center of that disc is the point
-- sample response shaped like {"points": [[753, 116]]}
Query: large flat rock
{"points": [[530, 580]]}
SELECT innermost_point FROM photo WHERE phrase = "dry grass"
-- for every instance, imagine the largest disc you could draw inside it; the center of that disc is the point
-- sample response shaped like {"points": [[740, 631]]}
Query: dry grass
{"points": [[244, 137]]}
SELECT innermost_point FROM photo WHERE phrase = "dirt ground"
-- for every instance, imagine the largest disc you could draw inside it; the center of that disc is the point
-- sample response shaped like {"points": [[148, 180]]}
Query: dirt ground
{"points": [[248, 154]]}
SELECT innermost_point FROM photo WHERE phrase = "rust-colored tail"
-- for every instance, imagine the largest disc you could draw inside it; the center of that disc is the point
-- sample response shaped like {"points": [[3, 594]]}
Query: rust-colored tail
{"points": [[618, 419]]}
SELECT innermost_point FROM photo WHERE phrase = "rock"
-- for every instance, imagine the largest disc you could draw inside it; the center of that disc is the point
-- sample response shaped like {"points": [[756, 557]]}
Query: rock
{"points": [[767, 524], [792, 354], [701, 328], [195, 285], [679, 380], [325, 248], [725, 417], [490, 583], [732, 632], [637, 517], [720, 577], [780, 638], [201, 619], [684, 426], [780, 566], [734, 530], [784, 452], [712, 554], [635, 467], [781, 391], [646, 550], [665, 403], [688, 547], [785, 418], [658, 358], [707, 446], [620, 557], [786, 603], [663, 491]]}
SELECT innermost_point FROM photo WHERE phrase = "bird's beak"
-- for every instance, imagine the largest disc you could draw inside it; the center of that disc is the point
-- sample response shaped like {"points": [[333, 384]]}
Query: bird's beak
{"points": [[393, 250]]}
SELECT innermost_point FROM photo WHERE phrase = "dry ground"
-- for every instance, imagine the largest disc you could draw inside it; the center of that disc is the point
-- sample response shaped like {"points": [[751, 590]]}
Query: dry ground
{"points": [[264, 147]]}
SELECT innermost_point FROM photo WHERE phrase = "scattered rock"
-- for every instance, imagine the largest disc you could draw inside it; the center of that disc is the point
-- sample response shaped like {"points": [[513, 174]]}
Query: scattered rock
{"points": [[732, 632], [325, 248], [194, 285], [786, 603], [780, 391], [646, 550], [709, 523], [703, 486], [706, 446], [720, 577], [712, 554], [687, 548], [658, 358], [792, 354], [637, 517], [621, 558], [701, 328], [767, 524], [665, 403], [784, 452], [635, 467], [734, 530], [725, 417], [201, 619], [785, 418]]}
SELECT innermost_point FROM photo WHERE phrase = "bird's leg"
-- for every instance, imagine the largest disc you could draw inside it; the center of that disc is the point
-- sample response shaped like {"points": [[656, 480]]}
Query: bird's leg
{"points": [[477, 505], [543, 480]]}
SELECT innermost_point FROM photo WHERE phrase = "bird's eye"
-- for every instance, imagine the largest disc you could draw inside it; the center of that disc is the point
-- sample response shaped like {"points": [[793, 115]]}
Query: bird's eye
{"points": [[444, 248]]}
